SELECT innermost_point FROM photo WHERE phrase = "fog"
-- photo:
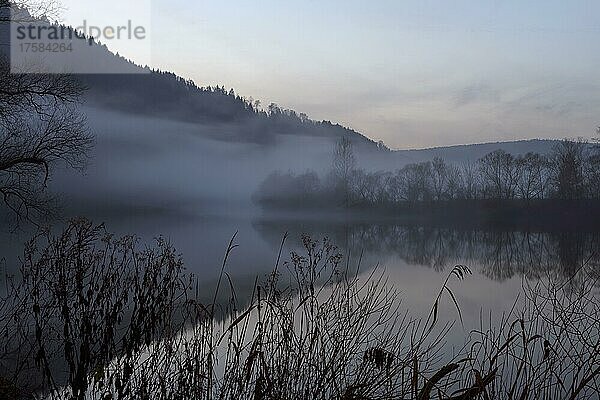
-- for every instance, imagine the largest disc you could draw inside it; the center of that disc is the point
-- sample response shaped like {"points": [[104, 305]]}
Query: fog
{"points": [[142, 163], [149, 162]]}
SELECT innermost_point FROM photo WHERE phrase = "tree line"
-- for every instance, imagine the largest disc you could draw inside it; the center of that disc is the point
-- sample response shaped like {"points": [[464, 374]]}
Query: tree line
{"points": [[570, 172], [246, 119]]}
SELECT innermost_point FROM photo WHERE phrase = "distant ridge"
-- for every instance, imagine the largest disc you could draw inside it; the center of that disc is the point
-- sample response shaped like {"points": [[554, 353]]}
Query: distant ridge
{"points": [[234, 118], [473, 152], [483, 144], [165, 95]]}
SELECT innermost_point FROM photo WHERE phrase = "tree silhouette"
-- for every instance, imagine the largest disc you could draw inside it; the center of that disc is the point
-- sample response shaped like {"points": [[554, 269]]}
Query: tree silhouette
{"points": [[40, 127], [344, 163], [568, 168]]}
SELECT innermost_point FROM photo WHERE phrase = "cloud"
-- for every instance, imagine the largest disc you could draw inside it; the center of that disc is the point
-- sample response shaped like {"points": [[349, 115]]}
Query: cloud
{"points": [[476, 93]]}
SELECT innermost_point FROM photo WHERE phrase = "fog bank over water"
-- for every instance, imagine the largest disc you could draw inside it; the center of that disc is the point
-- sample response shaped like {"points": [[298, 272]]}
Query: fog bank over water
{"points": [[160, 163]]}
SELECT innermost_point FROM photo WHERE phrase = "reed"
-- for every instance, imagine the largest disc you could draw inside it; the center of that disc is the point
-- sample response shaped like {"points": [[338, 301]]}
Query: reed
{"points": [[98, 317]]}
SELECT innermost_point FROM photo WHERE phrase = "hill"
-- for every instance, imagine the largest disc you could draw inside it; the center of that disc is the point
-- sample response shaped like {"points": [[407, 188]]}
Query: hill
{"points": [[473, 152], [164, 139]]}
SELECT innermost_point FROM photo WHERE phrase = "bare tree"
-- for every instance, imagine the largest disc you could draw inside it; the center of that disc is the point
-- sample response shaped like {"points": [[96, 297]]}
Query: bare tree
{"points": [[593, 177], [533, 176], [344, 163], [568, 158], [417, 179], [499, 175], [29, 10], [455, 183], [439, 176], [40, 127], [470, 180]]}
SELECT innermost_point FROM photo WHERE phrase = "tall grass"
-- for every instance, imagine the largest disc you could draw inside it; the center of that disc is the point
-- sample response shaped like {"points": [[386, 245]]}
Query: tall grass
{"points": [[95, 317]]}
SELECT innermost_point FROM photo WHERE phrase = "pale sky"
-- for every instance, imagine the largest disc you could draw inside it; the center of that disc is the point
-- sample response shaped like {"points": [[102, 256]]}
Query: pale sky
{"points": [[413, 73]]}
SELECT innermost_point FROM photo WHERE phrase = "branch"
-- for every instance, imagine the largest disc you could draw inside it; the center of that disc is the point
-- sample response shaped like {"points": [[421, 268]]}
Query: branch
{"points": [[24, 161]]}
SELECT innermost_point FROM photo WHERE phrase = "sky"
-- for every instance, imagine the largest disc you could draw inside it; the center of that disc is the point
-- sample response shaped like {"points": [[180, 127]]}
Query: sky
{"points": [[415, 73]]}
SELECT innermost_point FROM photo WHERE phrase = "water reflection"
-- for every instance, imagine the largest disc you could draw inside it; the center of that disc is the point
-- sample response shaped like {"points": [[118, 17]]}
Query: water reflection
{"points": [[498, 255]]}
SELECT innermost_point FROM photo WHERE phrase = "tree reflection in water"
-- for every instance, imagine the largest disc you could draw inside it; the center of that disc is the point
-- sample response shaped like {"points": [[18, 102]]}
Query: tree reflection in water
{"points": [[499, 255]]}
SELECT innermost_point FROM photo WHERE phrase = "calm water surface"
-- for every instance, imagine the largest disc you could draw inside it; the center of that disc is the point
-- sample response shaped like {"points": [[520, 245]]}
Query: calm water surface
{"points": [[414, 259]]}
